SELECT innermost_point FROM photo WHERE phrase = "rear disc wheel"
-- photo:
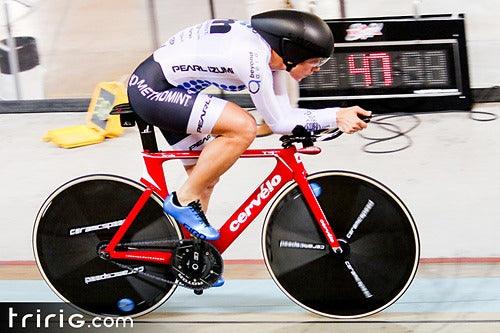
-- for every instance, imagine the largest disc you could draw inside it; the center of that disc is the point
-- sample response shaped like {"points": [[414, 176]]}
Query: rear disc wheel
{"points": [[81, 217]]}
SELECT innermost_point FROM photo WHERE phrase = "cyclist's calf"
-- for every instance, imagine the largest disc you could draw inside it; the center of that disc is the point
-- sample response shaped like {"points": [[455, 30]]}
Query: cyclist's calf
{"points": [[206, 193]]}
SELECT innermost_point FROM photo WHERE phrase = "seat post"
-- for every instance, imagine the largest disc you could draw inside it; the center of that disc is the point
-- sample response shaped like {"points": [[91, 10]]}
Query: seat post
{"points": [[128, 118], [148, 137]]}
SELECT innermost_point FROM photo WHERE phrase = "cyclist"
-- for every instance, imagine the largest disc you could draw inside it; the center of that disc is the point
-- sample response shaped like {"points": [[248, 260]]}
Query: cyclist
{"points": [[165, 91]]}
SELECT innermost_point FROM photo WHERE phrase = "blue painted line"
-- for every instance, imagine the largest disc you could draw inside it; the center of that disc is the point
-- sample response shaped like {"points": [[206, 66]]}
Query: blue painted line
{"points": [[236, 296], [451, 295], [263, 296], [26, 291]]}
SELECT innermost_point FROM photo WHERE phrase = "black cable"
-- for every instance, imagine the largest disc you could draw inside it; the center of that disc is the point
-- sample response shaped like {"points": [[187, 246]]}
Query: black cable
{"points": [[484, 97], [493, 116], [379, 120], [398, 132]]}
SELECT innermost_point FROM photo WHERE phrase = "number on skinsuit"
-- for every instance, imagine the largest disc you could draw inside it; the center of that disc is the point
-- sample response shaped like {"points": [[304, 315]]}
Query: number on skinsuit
{"points": [[220, 26]]}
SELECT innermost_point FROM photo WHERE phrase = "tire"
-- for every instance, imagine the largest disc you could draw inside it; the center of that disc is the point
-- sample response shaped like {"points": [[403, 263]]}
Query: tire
{"points": [[67, 256], [380, 256]]}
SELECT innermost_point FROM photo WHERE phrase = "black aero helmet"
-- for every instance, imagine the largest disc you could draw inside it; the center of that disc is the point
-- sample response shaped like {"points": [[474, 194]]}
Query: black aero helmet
{"points": [[296, 36]]}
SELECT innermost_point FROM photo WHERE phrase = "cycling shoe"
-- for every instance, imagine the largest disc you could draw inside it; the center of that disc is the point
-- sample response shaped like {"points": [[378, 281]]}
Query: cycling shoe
{"points": [[219, 283], [191, 217]]}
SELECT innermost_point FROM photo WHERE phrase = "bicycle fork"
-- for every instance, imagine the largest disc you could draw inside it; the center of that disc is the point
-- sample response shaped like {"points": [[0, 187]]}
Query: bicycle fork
{"points": [[319, 215], [300, 176]]}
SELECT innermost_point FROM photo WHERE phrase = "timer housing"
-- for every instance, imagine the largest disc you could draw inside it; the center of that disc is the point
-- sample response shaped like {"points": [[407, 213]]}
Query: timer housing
{"points": [[394, 64]]}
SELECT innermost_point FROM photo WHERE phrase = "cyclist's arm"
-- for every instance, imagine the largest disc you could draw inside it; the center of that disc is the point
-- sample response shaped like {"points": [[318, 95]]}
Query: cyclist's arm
{"points": [[272, 102]]}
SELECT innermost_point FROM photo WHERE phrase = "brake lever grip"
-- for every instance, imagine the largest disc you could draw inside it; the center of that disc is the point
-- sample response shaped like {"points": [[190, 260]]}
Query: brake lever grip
{"points": [[333, 136], [366, 119]]}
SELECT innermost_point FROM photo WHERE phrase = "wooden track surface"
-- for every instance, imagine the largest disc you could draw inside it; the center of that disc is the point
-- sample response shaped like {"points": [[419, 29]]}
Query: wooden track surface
{"points": [[255, 269]]}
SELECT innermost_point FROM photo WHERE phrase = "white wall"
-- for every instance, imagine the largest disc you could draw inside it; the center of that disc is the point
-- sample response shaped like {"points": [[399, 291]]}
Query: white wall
{"points": [[82, 42]]}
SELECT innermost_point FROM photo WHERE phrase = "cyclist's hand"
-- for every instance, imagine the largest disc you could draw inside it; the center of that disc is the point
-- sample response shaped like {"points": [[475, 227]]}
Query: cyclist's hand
{"points": [[348, 120]]}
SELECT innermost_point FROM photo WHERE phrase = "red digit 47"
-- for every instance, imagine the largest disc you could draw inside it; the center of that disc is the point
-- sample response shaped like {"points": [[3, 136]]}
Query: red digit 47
{"points": [[366, 69]]}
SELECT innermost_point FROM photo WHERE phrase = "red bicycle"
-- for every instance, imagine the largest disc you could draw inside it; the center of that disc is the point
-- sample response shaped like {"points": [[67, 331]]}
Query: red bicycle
{"points": [[337, 243]]}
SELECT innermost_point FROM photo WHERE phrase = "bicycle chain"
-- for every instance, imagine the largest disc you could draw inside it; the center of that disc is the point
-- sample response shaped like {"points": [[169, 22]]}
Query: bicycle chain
{"points": [[172, 243], [151, 276], [148, 275]]}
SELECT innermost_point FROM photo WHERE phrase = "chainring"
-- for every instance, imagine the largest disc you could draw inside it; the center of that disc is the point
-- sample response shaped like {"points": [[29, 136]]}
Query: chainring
{"points": [[198, 264]]}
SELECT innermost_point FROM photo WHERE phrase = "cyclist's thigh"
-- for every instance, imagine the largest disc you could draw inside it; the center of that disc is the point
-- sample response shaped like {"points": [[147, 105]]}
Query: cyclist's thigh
{"points": [[171, 108], [180, 141], [234, 119]]}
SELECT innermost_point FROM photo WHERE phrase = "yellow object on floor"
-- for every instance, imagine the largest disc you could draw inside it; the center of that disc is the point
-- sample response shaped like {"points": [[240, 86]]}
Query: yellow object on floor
{"points": [[99, 123], [74, 136]]}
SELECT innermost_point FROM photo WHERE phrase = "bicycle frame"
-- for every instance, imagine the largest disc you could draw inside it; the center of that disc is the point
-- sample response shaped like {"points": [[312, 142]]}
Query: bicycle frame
{"points": [[289, 167]]}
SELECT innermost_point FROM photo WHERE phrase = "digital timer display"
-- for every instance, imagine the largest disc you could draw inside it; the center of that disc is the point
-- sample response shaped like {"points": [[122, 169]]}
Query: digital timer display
{"points": [[394, 64], [379, 68]]}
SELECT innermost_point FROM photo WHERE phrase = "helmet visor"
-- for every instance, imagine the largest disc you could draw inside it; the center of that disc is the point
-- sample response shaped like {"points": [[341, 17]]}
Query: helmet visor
{"points": [[321, 61], [318, 62]]}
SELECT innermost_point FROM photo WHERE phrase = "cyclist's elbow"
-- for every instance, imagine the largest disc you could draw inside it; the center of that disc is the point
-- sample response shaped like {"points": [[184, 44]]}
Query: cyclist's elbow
{"points": [[281, 127]]}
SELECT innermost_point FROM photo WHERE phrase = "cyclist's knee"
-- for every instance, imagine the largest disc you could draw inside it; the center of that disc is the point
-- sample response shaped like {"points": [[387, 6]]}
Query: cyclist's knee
{"points": [[244, 127], [248, 130], [236, 123]]}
